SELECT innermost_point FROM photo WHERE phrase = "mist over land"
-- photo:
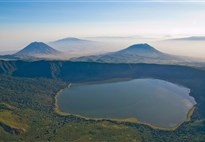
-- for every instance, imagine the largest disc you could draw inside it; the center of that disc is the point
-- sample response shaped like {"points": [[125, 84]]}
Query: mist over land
{"points": [[75, 47]]}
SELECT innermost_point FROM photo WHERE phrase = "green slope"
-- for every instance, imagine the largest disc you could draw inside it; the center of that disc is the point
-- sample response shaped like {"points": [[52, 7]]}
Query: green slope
{"points": [[33, 98]]}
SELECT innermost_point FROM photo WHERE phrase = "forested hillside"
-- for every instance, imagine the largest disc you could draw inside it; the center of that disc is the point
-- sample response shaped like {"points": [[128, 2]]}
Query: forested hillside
{"points": [[28, 92]]}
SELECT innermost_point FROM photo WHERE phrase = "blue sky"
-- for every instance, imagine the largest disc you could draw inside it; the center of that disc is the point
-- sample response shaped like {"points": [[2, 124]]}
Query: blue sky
{"points": [[24, 21]]}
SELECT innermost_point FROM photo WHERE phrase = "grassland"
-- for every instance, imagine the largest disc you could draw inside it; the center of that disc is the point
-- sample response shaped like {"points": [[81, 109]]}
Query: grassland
{"points": [[11, 121]]}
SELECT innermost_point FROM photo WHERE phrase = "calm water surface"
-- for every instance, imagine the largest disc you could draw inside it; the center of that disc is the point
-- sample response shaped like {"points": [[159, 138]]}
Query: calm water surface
{"points": [[153, 101]]}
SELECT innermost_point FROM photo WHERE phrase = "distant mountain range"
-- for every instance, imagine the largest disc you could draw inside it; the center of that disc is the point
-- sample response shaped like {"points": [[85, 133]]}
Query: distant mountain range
{"points": [[138, 53], [192, 38], [133, 54]]}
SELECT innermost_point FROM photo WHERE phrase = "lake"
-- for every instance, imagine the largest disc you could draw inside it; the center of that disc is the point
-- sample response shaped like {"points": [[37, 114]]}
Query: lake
{"points": [[153, 101]]}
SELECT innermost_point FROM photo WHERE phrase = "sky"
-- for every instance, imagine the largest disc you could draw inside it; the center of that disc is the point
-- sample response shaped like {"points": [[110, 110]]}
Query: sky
{"points": [[22, 22]]}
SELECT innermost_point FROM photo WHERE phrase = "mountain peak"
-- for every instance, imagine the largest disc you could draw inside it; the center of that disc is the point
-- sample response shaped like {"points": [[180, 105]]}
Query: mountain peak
{"points": [[143, 46], [69, 39], [37, 42], [37, 48], [140, 48], [137, 53]]}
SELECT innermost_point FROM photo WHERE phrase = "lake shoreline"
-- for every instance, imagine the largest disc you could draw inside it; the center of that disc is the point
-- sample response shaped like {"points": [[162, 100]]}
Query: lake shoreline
{"points": [[58, 111]]}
